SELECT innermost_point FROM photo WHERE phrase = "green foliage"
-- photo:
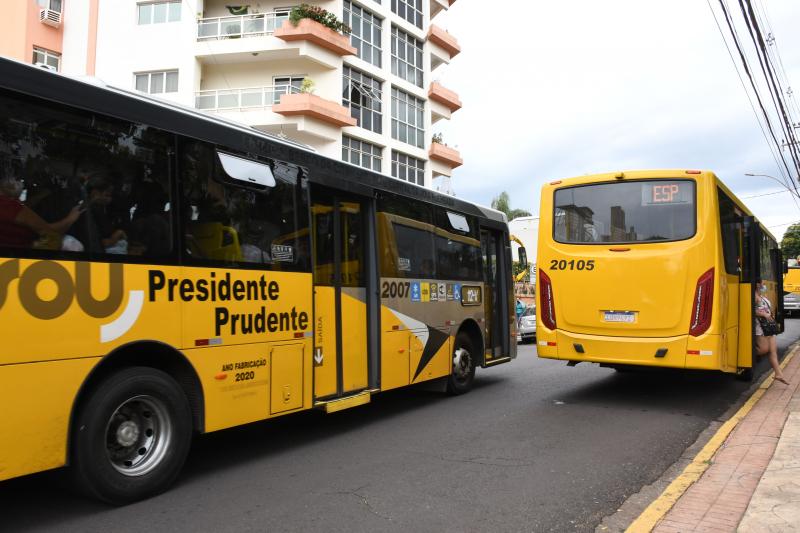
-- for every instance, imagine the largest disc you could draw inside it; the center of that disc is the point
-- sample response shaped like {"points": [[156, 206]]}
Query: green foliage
{"points": [[790, 244], [323, 16], [502, 203], [307, 86], [437, 138]]}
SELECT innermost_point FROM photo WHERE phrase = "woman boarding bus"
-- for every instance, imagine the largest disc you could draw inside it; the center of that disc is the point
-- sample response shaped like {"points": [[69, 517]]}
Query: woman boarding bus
{"points": [[651, 268]]}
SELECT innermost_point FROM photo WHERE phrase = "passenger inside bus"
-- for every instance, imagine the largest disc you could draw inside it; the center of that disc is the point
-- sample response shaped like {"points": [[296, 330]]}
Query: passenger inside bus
{"points": [[21, 226]]}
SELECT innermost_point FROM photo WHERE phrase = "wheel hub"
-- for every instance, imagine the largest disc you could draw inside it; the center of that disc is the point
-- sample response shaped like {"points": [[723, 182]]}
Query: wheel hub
{"points": [[128, 433], [461, 363]]}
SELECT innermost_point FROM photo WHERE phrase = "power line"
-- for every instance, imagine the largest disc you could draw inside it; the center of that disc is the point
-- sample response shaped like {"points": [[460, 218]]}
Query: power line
{"points": [[765, 194], [772, 148]]}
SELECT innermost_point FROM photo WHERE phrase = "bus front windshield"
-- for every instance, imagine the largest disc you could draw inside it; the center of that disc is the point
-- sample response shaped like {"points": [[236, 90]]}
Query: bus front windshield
{"points": [[625, 212]]}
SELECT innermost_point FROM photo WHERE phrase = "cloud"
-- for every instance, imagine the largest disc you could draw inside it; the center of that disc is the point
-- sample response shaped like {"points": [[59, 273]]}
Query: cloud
{"points": [[557, 89]]}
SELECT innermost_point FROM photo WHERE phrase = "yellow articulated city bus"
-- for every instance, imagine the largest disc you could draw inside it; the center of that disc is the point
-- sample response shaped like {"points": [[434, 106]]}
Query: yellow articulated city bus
{"points": [[165, 273], [651, 268]]}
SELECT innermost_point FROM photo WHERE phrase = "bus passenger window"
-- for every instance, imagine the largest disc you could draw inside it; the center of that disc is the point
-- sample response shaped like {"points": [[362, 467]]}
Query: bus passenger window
{"points": [[405, 230], [242, 210], [82, 183]]}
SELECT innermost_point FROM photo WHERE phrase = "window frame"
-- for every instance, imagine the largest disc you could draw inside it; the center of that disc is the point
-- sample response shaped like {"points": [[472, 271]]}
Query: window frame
{"points": [[401, 38], [354, 78], [396, 154], [347, 141], [150, 74], [374, 21], [413, 104], [48, 54], [168, 13], [409, 9]]}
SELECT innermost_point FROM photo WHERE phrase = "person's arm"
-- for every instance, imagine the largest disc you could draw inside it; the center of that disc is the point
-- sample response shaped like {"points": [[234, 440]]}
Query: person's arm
{"points": [[28, 218]]}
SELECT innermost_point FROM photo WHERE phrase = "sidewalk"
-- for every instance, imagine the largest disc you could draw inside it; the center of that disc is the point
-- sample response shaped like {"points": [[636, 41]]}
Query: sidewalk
{"points": [[753, 481]]}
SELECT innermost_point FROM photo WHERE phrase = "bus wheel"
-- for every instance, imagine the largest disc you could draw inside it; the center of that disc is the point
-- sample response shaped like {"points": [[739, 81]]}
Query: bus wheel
{"points": [[131, 436], [463, 371]]}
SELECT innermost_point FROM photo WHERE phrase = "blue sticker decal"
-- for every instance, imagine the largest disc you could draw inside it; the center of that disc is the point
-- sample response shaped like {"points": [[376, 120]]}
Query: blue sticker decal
{"points": [[457, 292], [415, 292]]}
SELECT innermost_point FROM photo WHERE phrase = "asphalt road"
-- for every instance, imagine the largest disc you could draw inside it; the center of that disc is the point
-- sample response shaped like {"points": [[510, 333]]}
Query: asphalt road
{"points": [[536, 446]]}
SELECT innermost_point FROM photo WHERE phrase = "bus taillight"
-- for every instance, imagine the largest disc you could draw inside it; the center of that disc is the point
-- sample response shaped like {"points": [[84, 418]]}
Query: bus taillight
{"points": [[703, 302], [547, 303]]}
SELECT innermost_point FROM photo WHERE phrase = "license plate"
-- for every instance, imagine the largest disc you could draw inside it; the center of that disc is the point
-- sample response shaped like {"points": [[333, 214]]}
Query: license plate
{"points": [[619, 316]]}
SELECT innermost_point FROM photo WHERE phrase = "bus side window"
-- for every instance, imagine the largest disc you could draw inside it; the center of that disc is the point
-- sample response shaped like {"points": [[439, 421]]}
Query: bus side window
{"points": [[116, 173], [731, 225], [238, 209], [406, 232]]}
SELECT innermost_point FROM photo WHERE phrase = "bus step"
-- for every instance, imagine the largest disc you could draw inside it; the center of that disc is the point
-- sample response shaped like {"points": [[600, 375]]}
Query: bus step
{"points": [[497, 361], [341, 404]]}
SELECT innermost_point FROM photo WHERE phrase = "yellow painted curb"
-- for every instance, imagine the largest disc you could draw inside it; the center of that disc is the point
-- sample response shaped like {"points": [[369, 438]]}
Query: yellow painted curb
{"points": [[659, 507]]}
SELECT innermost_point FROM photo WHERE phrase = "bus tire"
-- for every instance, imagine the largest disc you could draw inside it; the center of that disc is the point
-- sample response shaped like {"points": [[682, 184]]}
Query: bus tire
{"points": [[462, 372], [132, 436]]}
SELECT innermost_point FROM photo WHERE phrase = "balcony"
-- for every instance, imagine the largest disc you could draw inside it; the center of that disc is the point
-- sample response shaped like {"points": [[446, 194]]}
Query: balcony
{"points": [[443, 102], [236, 27], [443, 46], [247, 99], [313, 106], [444, 159], [50, 17], [437, 6], [314, 32], [279, 109], [268, 36]]}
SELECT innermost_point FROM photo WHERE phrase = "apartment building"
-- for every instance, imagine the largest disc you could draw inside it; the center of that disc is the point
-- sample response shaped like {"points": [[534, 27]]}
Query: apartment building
{"points": [[371, 97]]}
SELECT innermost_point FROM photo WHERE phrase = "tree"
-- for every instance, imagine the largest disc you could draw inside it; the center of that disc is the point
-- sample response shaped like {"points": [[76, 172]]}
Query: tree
{"points": [[501, 203], [790, 244]]}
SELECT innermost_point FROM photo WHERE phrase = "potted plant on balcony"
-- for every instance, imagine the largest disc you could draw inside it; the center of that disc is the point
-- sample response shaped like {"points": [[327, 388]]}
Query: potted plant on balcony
{"points": [[307, 87], [438, 139], [318, 14]]}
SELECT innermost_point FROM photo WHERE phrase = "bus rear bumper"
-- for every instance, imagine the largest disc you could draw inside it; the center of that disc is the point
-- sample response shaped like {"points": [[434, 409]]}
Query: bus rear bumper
{"points": [[650, 351]]}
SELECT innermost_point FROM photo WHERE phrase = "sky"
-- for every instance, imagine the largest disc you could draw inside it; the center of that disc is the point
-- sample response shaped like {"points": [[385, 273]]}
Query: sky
{"points": [[569, 87]]}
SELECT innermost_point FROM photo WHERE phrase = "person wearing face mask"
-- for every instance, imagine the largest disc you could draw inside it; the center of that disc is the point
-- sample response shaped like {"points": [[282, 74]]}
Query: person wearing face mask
{"points": [[20, 226], [766, 344]]}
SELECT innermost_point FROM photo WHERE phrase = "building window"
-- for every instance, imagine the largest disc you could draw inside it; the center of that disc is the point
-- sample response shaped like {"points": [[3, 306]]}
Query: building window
{"points": [[362, 95], [407, 118], [165, 81], [408, 168], [159, 12], [52, 5], [47, 59], [286, 85], [406, 56], [366, 32], [410, 10], [361, 153]]}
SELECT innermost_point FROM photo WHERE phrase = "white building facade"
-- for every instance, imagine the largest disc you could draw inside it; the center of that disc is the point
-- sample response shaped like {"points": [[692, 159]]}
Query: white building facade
{"points": [[370, 97]]}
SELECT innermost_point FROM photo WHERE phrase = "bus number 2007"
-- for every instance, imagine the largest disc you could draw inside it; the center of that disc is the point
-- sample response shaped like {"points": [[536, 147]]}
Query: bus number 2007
{"points": [[563, 264], [395, 289]]}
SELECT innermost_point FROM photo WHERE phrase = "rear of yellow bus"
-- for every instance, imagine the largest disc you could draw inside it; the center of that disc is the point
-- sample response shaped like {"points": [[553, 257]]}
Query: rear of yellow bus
{"points": [[629, 272]]}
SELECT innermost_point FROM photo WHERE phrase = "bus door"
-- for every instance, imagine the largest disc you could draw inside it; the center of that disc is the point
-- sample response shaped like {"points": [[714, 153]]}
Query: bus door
{"points": [[495, 297], [340, 294], [777, 268]]}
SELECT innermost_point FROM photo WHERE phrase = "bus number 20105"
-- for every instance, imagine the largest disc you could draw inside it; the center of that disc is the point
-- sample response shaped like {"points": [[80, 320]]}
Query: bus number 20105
{"points": [[563, 264]]}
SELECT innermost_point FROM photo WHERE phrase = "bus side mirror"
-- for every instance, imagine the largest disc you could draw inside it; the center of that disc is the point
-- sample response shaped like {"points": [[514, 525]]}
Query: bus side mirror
{"points": [[523, 256]]}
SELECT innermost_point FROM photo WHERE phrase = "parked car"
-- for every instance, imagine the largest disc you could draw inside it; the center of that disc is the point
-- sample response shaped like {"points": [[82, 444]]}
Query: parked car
{"points": [[791, 303], [527, 325]]}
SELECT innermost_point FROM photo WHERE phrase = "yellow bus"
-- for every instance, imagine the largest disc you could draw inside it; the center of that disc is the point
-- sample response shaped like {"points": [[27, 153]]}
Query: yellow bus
{"points": [[165, 273], [651, 268]]}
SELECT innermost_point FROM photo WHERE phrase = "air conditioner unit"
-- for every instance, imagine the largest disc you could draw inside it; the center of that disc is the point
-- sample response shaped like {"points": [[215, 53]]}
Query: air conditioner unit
{"points": [[50, 17], [45, 65]]}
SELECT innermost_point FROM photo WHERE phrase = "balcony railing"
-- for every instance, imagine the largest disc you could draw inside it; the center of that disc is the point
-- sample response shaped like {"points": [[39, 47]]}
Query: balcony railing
{"points": [[242, 99], [211, 29]]}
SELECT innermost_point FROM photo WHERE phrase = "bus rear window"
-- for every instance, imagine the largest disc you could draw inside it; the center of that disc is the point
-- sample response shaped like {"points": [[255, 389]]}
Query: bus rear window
{"points": [[625, 212]]}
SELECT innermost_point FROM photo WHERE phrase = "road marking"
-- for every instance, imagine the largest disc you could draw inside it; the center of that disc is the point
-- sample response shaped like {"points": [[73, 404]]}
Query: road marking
{"points": [[661, 505]]}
